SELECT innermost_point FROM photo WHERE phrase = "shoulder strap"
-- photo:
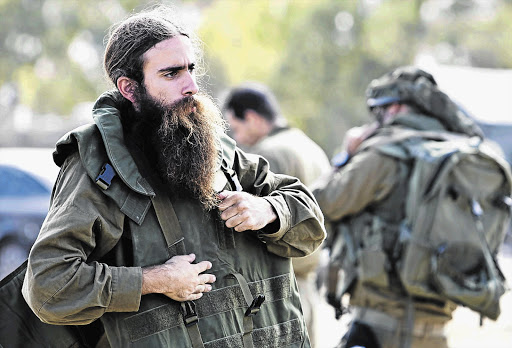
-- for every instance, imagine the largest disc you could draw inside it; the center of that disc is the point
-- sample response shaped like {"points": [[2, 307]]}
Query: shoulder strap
{"points": [[173, 235], [396, 135]]}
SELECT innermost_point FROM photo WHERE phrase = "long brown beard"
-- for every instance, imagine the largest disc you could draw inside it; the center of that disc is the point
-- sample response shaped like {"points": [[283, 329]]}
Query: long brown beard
{"points": [[184, 143]]}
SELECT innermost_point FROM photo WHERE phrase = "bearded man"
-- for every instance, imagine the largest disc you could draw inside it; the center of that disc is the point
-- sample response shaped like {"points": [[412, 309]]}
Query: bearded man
{"points": [[161, 231]]}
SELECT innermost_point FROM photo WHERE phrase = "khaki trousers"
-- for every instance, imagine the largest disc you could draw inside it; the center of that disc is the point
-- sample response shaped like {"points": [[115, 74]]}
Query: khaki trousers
{"points": [[388, 330]]}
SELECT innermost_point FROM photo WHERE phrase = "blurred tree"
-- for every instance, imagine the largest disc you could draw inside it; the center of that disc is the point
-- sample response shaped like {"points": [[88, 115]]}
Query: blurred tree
{"points": [[52, 50], [342, 47], [244, 40], [466, 34], [317, 56]]}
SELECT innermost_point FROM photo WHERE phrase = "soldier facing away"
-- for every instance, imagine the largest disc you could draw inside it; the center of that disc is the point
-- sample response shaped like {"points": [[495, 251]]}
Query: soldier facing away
{"points": [[367, 198]]}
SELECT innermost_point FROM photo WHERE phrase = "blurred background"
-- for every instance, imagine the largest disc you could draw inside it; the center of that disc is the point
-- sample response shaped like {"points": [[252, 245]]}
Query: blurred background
{"points": [[317, 56]]}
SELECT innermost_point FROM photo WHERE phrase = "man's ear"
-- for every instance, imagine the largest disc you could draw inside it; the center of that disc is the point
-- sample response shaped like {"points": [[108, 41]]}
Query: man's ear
{"points": [[127, 87]]}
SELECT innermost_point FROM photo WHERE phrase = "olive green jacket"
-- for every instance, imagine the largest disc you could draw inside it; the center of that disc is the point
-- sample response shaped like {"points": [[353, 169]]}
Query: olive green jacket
{"points": [[87, 261]]}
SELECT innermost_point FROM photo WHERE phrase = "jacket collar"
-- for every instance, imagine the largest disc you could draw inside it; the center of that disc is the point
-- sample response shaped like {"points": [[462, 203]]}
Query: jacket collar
{"points": [[107, 118], [108, 121]]}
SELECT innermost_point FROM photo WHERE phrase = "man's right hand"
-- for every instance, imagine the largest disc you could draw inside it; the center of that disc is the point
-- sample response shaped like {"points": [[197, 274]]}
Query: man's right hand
{"points": [[178, 278]]}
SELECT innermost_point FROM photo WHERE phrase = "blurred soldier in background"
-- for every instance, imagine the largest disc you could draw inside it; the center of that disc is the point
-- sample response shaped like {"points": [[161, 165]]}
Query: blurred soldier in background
{"points": [[258, 126], [366, 193]]}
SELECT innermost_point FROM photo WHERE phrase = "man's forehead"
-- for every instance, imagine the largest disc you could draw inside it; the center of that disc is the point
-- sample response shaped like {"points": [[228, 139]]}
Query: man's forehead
{"points": [[175, 50]]}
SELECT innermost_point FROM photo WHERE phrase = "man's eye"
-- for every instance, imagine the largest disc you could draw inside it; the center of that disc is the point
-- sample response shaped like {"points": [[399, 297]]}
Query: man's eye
{"points": [[171, 74]]}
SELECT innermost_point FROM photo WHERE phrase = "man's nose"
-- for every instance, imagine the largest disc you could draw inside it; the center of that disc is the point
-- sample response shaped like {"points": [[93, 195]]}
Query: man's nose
{"points": [[190, 85]]}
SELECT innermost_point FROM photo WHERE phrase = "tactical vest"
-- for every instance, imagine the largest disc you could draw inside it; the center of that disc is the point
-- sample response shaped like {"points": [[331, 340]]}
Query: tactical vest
{"points": [[254, 301], [365, 247], [234, 313]]}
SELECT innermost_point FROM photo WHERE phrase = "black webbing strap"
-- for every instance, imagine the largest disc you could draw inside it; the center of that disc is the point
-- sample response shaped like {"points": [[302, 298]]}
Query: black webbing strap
{"points": [[231, 176], [173, 235], [171, 228], [253, 307], [408, 321]]}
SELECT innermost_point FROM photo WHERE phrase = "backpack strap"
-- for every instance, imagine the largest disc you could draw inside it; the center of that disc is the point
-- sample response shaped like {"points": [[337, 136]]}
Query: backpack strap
{"points": [[173, 235], [397, 135], [408, 320]]}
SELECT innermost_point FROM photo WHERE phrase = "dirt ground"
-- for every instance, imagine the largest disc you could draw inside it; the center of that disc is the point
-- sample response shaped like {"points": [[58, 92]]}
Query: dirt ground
{"points": [[463, 331]]}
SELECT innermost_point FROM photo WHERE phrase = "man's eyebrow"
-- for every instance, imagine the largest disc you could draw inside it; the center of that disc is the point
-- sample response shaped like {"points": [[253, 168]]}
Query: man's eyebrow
{"points": [[177, 68]]}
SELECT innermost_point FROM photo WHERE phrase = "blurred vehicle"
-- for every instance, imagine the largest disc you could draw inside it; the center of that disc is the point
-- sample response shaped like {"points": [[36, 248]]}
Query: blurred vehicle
{"points": [[26, 177]]}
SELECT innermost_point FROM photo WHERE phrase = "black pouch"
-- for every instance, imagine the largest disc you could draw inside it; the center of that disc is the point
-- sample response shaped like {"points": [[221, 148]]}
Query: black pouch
{"points": [[360, 334], [21, 328]]}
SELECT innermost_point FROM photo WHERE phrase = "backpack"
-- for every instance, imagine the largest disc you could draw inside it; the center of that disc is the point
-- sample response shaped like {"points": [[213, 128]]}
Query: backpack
{"points": [[457, 211]]}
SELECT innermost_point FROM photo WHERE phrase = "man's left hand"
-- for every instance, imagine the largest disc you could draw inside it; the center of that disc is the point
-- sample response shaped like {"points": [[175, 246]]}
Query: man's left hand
{"points": [[244, 212]]}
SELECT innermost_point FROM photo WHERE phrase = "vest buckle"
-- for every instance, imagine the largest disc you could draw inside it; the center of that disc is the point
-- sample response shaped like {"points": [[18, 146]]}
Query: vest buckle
{"points": [[104, 179], [254, 308], [188, 310]]}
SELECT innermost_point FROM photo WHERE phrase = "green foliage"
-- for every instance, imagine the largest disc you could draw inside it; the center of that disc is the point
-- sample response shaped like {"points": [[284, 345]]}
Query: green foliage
{"points": [[245, 39], [317, 56]]}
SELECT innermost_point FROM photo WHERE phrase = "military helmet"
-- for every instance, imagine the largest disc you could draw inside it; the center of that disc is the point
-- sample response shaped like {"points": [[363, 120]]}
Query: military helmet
{"points": [[404, 85], [413, 86]]}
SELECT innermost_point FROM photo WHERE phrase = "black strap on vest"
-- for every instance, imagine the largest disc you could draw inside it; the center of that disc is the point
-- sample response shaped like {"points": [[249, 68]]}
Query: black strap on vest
{"points": [[188, 310], [231, 176]]}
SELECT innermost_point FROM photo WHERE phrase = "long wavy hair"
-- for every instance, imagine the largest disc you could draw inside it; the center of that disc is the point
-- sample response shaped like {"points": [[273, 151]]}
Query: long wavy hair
{"points": [[129, 39]]}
